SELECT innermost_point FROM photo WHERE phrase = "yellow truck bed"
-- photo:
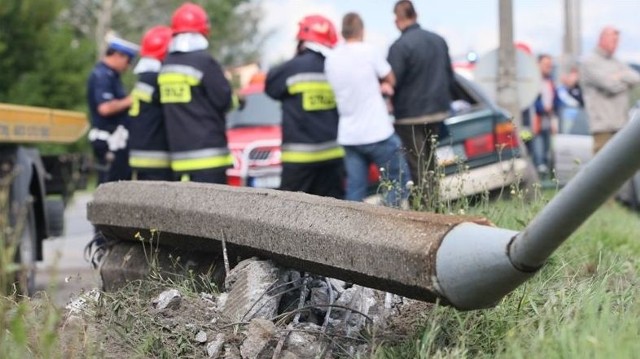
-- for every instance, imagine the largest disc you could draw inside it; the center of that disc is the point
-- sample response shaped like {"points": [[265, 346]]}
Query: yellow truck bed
{"points": [[26, 124]]}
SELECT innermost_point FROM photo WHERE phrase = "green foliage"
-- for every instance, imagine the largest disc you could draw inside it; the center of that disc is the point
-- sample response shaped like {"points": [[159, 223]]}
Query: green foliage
{"points": [[58, 79], [24, 32]]}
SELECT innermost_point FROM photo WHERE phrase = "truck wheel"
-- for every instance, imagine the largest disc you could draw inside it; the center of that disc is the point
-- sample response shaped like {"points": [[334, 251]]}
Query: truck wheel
{"points": [[26, 254], [55, 217]]}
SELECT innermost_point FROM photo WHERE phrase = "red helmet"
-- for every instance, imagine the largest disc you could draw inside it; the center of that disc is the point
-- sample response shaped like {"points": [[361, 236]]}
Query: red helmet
{"points": [[155, 42], [190, 17], [317, 28], [523, 46]]}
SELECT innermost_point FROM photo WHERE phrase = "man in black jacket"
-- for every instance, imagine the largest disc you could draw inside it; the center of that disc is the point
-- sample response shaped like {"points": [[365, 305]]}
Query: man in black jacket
{"points": [[421, 63]]}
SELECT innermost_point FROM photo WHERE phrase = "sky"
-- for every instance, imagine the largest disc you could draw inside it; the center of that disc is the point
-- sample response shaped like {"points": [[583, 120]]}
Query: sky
{"points": [[467, 25]]}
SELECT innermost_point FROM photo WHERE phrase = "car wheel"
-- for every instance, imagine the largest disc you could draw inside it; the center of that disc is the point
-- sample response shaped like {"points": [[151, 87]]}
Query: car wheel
{"points": [[26, 254], [55, 217]]}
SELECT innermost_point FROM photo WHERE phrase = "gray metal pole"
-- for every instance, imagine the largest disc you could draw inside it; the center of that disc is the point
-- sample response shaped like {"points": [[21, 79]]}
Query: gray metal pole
{"points": [[590, 188], [478, 265]]}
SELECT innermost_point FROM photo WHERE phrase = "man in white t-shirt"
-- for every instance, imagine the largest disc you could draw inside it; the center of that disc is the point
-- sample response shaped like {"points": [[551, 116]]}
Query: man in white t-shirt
{"points": [[360, 77]]}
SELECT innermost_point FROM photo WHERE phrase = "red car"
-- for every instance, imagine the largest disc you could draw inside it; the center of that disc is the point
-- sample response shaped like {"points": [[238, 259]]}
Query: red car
{"points": [[254, 135]]}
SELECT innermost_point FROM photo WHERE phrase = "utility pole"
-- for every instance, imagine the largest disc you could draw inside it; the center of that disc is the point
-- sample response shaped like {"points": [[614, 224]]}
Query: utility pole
{"points": [[507, 89], [571, 47], [103, 26]]}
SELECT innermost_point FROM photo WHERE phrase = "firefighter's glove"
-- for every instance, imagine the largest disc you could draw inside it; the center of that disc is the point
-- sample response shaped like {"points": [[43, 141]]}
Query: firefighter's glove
{"points": [[525, 134]]}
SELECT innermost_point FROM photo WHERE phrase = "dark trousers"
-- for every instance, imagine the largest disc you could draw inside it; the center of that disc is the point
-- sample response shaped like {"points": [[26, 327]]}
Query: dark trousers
{"points": [[420, 142], [118, 170], [322, 179], [155, 174], [418, 146], [213, 175]]}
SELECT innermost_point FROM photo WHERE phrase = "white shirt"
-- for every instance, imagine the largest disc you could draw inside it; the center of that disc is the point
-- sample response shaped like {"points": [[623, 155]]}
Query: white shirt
{"points": [[353, 69]]}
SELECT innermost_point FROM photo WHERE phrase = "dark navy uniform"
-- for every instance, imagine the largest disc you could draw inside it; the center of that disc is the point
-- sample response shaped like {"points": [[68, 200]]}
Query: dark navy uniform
{"points": [[149, 148], [108, 134], [311, 156], [195, 96]]}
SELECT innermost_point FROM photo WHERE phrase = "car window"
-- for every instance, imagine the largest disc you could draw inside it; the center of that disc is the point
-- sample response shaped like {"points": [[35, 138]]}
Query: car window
{"points": [[573, 121], [258, 110]]}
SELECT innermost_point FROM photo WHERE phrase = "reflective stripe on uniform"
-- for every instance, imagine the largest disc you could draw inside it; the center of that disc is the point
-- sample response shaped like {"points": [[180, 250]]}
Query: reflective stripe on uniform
{"points": [[317, 94], [306, 77], [201, 159], [302, 87], [142, 92], [98, 134], [309, 153], [177, 78], [149, 159], [175, 83], [170, 72]]}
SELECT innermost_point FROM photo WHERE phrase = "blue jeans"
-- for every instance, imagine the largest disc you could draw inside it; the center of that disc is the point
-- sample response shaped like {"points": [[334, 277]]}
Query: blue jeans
{"points": [[541, 149], [394, 171]]}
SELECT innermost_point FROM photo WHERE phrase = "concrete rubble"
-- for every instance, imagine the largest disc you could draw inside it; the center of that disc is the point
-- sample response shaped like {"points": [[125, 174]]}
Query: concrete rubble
{"points": [[330, 321]]}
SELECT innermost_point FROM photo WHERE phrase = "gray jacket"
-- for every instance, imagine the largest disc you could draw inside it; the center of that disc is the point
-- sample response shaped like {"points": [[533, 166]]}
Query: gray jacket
{"points": [[606, 82]]}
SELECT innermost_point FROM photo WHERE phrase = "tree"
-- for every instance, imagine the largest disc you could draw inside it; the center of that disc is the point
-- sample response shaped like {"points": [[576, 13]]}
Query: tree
{"points": [[234, 23], [23, 37]]}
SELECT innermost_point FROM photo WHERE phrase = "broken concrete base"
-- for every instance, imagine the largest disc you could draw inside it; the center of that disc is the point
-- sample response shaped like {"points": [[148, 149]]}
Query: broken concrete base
{"points": [[129, 261], [249, 293]]}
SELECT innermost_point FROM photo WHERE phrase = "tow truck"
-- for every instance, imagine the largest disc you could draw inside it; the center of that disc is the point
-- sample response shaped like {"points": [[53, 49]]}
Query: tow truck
{"points": [[35, 188]]}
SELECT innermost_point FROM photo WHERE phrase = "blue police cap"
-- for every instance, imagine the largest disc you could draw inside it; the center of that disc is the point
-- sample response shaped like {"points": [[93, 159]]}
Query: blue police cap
{"points": [[128, 48]]}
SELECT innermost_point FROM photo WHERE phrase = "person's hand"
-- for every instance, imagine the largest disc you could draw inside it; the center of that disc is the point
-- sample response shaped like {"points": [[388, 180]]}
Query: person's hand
{"points": [[386, 89], [110, 157], [128, 101]]}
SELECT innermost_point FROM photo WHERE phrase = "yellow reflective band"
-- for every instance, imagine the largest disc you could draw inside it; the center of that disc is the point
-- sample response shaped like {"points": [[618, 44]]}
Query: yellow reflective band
{"points": [[136, 97], [177, 78], [142, 162], [301, 87], [310, 157], [194, 164], [141, 95], [316, 96], [134, 110]]}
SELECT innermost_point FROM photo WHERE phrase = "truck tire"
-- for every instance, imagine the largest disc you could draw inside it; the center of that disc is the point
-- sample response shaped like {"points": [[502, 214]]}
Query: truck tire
{"points": [[26, 254], [55, 217]]}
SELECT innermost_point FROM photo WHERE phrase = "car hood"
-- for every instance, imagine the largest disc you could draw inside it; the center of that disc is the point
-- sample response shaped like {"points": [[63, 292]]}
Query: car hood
{"points": [[240, 137]]}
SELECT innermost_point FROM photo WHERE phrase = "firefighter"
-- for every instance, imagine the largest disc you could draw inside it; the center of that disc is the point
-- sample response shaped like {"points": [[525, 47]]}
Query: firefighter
{"points": [[195, 96], [108, 106], [312, 160], [149, 150]]}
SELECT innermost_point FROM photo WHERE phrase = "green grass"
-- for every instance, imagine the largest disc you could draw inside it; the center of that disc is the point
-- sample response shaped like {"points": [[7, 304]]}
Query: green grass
{"points": [[582, 304]]}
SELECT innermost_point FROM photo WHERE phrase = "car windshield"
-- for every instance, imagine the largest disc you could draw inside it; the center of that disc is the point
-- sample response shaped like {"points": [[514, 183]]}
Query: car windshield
{"points": [[258, 110]]}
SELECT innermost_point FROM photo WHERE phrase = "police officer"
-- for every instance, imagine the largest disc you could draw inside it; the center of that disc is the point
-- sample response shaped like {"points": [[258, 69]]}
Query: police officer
{"points": [[108, 106], [311, 156], [195, 96], [149, 149]]}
